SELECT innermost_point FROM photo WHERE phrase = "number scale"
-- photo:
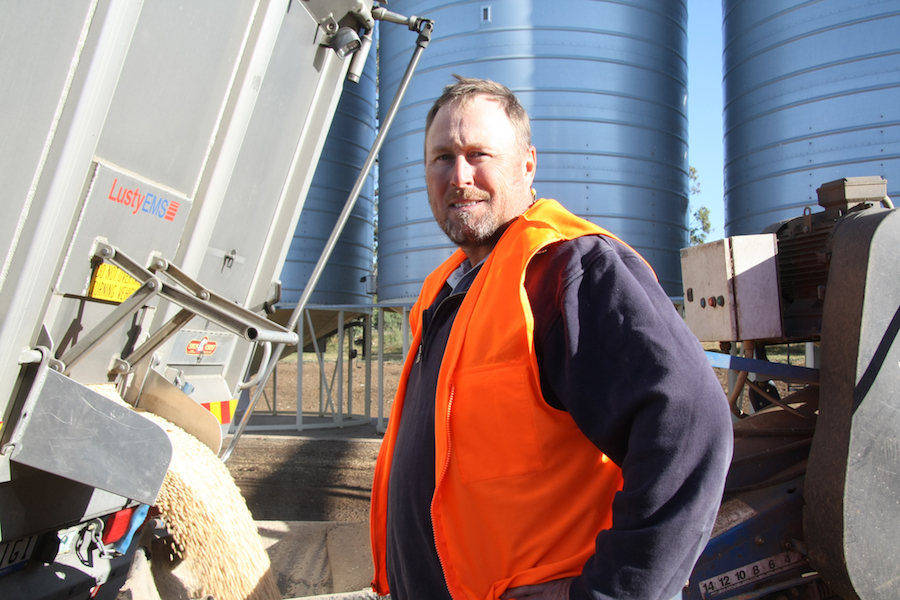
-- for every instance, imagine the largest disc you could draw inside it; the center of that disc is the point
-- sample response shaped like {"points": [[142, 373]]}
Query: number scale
{"points": [[748, 574]]}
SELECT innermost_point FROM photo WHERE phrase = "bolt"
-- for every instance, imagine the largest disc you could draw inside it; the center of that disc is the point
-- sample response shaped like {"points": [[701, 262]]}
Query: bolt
{"points": [[151, 285], [759, 540], [204, 295], [105, 252]]}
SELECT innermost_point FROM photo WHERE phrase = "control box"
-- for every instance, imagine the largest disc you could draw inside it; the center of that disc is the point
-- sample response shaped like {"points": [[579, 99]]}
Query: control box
{"points": [[731, 289]]}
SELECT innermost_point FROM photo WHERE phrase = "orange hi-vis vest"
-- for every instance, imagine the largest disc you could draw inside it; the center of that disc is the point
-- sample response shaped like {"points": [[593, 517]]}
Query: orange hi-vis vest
{"points": [[520, 493]]}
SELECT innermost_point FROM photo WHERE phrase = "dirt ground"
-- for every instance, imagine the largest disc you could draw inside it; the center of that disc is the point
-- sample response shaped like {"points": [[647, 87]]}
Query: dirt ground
{"points": [[322, 474], [319, 474]]}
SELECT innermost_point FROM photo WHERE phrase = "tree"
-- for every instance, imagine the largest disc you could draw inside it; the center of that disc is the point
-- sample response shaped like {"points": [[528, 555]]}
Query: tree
{"points": [[695, 181], [700, 225]]}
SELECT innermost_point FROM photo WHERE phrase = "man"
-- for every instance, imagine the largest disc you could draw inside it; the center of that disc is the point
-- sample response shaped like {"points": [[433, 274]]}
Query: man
{"points": [[557, 432]]}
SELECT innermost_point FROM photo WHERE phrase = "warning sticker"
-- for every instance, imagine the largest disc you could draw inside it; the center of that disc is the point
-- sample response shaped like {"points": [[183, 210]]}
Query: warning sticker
{"points": [[111, 283]]}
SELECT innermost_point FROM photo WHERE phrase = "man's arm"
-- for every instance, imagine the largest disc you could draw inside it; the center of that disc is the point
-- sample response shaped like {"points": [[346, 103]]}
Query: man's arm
{"points": [[616, 355], [552, 590]]}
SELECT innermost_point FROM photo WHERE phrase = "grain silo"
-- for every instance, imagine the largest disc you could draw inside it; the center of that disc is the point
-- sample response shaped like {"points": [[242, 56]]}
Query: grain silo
{"points": [[605, 85], [811, 94], [348, 274]]}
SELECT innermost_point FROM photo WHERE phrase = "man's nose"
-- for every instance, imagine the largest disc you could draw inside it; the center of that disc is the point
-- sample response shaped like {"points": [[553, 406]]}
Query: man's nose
{"points": [[463, 172]]}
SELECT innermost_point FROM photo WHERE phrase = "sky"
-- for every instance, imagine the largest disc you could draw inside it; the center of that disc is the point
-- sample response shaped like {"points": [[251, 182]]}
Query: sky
{"points": [[705, 109]]}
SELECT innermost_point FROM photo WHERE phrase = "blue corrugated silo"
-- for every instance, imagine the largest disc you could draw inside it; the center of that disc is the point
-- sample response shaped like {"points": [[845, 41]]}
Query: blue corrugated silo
{"points": [[605, 85], [349, 270], [811, 96]]}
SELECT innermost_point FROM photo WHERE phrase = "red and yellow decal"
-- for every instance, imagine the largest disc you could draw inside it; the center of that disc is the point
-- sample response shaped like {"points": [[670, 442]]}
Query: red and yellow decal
{"points": [[222, 411], [203, 346]]}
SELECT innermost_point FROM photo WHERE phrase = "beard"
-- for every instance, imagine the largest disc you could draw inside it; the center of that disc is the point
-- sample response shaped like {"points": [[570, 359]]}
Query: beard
{"points": [[467, 229]]}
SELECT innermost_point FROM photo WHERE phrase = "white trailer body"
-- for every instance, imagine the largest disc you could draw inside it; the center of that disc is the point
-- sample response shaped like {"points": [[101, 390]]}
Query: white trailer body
{"points": [[179, 138]]}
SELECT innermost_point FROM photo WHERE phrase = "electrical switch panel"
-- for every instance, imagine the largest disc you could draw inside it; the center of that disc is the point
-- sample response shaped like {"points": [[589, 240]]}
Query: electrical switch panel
{"points": [[731, 289]]}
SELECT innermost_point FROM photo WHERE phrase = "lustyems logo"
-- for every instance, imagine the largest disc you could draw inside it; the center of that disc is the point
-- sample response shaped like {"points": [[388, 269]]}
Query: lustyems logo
{"points": [[147, 203]]}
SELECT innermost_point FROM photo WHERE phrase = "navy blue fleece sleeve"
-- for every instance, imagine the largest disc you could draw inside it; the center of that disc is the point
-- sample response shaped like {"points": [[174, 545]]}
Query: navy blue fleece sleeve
{"points": [[616, 355]]}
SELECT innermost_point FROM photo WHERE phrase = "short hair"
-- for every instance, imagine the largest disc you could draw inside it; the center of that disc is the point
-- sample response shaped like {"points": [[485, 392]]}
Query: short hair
{"points": [[467, 88]]}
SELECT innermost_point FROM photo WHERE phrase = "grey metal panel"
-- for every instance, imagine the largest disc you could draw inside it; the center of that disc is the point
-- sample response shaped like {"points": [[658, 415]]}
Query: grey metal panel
{"points": [[810, 96], [177, 74], [91, 50], [37, 37], [605, 85], [254, 197], [138, 218], [132, 214], [349, 140], [61, 417]]}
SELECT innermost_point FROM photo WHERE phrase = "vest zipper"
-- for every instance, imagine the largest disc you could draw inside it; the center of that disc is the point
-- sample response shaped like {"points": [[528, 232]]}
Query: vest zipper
{"points": [[441, 479]]}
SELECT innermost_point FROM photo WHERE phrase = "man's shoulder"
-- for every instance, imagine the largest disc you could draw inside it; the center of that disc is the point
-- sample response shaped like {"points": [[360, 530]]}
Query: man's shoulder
{"points": [[577, 253], [597, 257], [559, 263]]}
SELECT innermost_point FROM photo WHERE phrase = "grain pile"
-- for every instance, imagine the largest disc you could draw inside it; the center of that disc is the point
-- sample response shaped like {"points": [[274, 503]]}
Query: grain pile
{"points": [[218, 551]]}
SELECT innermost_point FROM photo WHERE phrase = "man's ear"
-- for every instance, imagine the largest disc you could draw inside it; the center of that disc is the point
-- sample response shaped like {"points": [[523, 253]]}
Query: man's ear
{"points": [[530, 164]]}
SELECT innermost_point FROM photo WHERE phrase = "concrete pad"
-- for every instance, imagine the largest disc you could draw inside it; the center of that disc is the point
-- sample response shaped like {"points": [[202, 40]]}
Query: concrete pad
{"points": [[350, 555], [316, 558]]}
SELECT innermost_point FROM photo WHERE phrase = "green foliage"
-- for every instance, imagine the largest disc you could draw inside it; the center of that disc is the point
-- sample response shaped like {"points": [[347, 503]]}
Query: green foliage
{"points": [[700, 225], [393, 336], [695, 181]]}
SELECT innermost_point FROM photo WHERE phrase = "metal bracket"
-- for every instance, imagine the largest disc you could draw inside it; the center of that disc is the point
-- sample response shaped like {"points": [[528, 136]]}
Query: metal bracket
{"points": [[327, 28], [150, 288], [184, 291], [163, 278]]}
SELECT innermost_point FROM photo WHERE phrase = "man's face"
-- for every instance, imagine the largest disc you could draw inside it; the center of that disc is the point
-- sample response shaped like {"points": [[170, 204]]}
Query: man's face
{"points": [[478, 177]]}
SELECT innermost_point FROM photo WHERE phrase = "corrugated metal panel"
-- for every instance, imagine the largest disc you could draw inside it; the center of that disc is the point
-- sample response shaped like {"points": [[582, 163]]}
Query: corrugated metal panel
{"points": [[605, 85], [811, 94], [345, 279]]}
